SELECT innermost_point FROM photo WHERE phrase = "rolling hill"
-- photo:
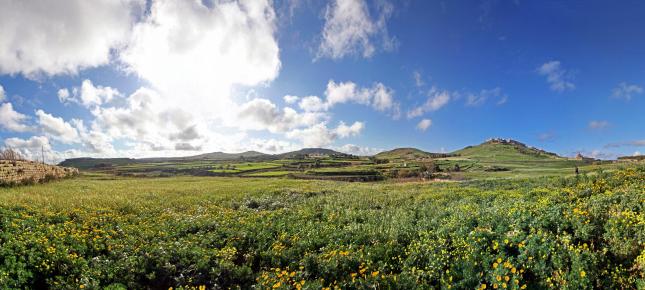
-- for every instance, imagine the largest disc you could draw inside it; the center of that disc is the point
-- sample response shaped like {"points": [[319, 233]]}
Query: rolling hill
{"points": [[408, 154], [88, 163], [311, 151], [505, 150]]}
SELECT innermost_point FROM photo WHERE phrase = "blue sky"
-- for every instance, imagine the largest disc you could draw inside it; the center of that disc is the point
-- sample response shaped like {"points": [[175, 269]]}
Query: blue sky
{"points": [[171, 78]]}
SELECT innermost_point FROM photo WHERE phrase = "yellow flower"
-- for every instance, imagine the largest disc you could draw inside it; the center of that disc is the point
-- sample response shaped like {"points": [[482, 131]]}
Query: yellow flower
{"points": [[499, 278], [499, 260], [276, 285], [583, 274], [82, 286], [483, 286], [375, 273], [506, 278], [513, 270]]}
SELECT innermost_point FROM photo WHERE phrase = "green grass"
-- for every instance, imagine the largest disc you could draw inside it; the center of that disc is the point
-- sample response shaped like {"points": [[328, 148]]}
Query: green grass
{"points": [[268, 174], [105, 231]]}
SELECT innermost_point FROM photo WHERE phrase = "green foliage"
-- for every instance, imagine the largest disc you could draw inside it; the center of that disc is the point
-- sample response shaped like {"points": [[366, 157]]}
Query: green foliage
{"points": [[103, 232]]}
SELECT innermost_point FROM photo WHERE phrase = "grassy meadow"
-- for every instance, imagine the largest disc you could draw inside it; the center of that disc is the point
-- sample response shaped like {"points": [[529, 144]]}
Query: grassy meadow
{"points": [[102, 231]]}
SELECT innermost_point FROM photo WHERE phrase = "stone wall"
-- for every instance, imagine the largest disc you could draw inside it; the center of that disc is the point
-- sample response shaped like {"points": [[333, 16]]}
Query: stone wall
{"points": [[21, 172]]}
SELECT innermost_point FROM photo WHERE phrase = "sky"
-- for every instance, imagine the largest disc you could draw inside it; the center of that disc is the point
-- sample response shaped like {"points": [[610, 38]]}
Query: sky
{"points": [[137, 78]]}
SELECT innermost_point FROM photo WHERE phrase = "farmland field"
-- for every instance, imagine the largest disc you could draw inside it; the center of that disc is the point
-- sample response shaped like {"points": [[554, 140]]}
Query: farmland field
{"points": [[100, 230]]}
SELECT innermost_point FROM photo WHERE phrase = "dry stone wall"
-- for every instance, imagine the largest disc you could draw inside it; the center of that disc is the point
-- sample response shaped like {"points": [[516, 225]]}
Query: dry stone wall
{"points": [[20, 172]]}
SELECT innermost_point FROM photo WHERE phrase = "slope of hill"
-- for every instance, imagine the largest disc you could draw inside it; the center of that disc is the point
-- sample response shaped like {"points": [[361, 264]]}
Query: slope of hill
{"points": [[506, 150], [227, 156], [408, 154], [311, 151]]}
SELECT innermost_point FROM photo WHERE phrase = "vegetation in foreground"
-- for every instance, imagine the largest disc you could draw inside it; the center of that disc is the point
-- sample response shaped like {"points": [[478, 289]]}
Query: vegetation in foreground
{"points": [[99, 231]]}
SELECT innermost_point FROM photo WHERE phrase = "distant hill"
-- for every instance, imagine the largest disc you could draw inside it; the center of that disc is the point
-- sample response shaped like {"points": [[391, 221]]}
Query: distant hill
{"points": [[88, 163], [505, 149], [311, 152], [632, 158], [408, 154], [227, 156]]}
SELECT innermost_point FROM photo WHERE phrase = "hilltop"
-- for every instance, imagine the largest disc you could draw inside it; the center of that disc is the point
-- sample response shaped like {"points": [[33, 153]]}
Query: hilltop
{"points": [[505, 149]]}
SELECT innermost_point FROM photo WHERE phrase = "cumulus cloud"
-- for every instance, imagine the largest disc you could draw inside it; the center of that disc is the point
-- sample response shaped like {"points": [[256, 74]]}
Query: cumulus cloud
{"points": [[93, 139], [145, 119], [195, 54], [626, 91], [424, 124], [57, 128], [312, 104], [91, 95], [2, 94], [320, 135], [350, 30], [358, 150], [11, 120], [31, 148], [290, 99], [436, 100], [558, 78], [478, 99], [598, 124], [62, 37], [63, 95], [262, 114], [379, 96]]}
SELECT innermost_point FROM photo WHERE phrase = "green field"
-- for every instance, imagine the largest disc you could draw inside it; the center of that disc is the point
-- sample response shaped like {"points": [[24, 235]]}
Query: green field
{"points": [[100, 231]]}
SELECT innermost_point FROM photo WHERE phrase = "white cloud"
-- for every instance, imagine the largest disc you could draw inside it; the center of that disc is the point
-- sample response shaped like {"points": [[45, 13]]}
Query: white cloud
{"points": [[319, 135], [597, 125], [637, 153], [57, 37], [63, 95], [3, 96], [91, 95], [358, 150], [338, 93], [57, 128], [558, 78], [262, 114], [290, 99], [147, 121], [94, 140], [436, 100], [424, 124], [379, 97], [349, 29], [32, 148], [195, 55], [344, 131], [478, 99], [312, 104], [626, 91], [11, 120]]}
